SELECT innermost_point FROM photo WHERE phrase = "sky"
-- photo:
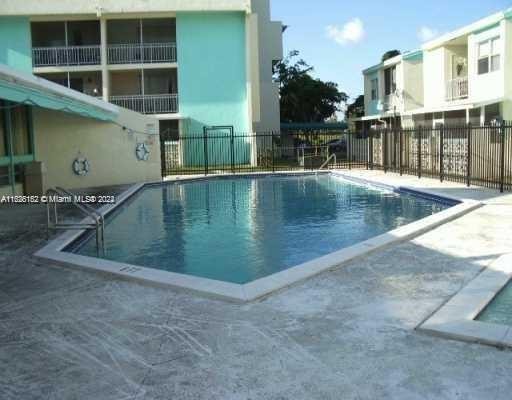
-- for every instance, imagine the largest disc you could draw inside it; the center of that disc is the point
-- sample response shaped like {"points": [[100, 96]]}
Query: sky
{"points": [[340, 38]]}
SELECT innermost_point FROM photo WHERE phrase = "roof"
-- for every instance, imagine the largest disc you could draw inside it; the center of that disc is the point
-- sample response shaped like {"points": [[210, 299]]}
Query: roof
{"points": [[407, 56], [110, 7], [480, 25], [475, 27], [21, 87]]}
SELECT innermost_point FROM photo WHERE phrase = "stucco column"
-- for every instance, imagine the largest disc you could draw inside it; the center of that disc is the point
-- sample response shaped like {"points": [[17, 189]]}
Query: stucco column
{"points": [[105, 76], [506, 110]]}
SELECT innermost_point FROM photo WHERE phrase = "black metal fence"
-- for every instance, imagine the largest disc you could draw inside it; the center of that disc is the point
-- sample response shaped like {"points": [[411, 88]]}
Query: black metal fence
{"points": [[475, 155], [469, 154], [231, 152]]}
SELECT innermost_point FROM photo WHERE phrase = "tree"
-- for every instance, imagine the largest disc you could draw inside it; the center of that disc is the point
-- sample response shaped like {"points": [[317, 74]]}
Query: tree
{"points": [[304, 98], [390, 54], [355, 109]]}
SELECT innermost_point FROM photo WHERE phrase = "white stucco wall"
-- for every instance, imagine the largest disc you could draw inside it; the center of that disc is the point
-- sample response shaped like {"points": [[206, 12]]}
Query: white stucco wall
{"points": [[508, 59], [506, 110], [413, 84], [434, 75], [265, 44], [110, 150], [396, 100], [488, 86], [370, 106]]}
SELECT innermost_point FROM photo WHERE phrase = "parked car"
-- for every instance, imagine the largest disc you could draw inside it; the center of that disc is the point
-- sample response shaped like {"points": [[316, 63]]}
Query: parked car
{"points": [[337, 145]]}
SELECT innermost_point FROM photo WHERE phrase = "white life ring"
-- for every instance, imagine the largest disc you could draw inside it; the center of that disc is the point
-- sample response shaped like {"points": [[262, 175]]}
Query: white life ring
{"points": [[142, 152], [81, 166]]}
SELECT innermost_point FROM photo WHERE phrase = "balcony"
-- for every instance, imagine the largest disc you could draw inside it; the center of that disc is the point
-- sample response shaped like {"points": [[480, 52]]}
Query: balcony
{"points": [[148, 104], [152, 91], [64, 43], [141, 41], [89, 83], [66, 55], [457, 89], [391, 102], [145, 53]]}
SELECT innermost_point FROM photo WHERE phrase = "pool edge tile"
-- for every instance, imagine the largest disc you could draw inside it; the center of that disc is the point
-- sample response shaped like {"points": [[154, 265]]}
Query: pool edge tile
{"points": [[458, 317]]}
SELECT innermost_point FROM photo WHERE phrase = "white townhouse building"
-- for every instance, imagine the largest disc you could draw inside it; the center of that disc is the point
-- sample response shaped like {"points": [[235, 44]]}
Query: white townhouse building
{"points": [[464, 76], [189, 63]]}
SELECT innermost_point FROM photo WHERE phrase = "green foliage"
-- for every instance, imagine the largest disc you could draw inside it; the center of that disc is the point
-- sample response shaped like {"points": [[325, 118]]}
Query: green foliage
{"points": [[304, 98], [390, 54], [355, 109]]}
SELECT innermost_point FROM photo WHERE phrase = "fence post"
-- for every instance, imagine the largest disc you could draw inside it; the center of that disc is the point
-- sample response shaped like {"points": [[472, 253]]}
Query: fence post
{"points": [[163, 155], [273, 160], [420, 129], [502, 157], [205, 149], [349, 151], [468, 155], [232, 144], [370, 149], [400, 150], [384, 151], [441, 153], [393, 142], [367, 151]]}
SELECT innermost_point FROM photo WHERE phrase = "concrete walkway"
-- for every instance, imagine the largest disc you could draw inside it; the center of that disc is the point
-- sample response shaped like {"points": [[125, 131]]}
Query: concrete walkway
{"points": [[347, 334]]}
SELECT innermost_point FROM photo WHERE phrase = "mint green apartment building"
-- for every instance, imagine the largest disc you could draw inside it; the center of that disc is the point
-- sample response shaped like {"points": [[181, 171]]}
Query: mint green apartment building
{"points": [[188, 64]]}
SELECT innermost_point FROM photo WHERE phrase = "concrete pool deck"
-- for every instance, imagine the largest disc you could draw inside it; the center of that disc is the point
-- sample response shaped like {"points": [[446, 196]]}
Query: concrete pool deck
{"points": [[348, 333]]}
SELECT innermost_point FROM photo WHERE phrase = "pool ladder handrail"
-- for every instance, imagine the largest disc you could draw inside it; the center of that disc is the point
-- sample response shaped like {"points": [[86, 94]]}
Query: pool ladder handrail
{"points": [[98, 223], [326, 163]]}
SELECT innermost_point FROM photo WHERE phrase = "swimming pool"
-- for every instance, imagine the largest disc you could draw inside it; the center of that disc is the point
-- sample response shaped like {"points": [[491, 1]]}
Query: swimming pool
{"points": [[241, 229], [499, 311]]}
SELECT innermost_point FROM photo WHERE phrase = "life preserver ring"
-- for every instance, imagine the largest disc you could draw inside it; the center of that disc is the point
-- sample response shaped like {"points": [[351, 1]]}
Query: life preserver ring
{"points": [[142, 152], [81, 166]]}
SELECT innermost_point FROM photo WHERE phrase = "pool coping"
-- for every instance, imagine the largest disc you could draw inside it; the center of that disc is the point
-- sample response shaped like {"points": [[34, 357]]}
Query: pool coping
{"points": [[457, 318], [242, 293]]}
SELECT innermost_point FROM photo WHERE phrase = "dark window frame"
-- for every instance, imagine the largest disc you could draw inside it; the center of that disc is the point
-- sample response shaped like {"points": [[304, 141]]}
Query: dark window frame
{"points": [[390, 80]]}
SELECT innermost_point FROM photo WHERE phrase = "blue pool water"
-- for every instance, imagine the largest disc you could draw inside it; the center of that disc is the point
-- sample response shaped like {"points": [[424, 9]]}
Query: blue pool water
{"points": [[499, 311], [244, 228]]}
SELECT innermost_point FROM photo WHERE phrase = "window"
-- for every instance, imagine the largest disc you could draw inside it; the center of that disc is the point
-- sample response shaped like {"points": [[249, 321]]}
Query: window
{"points": [[21, 139], [495, 54], [489, 56], [375, 88], [390, 80]]}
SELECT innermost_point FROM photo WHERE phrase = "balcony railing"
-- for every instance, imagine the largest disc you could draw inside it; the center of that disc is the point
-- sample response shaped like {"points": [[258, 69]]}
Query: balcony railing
{"points": [[66, 55], [457, 89], [141, 53], [390, 102], [148, 104]]}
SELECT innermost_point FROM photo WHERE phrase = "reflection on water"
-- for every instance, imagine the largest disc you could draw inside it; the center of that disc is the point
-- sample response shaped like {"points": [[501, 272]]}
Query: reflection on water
{"points": [[241, 229]]}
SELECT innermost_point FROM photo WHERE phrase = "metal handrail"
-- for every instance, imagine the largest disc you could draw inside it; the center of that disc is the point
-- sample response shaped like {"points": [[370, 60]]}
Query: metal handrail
{"points": [[97, 218], [66, 55], [91, 210], [148, 103], [457, 88], [136, 53], [326, 163]]}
